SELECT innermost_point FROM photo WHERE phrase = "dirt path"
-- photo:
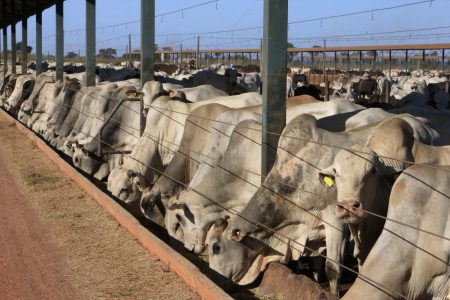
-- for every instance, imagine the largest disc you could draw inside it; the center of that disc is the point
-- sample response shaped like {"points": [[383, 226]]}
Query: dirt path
{"points": [[57, 243]]}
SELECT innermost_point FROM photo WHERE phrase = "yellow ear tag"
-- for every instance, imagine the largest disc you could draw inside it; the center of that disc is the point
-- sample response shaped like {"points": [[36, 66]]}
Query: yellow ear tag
{"points": [[328, 181]]}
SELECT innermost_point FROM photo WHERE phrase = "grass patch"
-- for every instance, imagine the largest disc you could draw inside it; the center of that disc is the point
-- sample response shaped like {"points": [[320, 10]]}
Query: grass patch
{"points": [[34, 179]]}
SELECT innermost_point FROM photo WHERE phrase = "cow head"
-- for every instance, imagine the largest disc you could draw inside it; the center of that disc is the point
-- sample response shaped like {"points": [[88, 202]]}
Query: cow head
{"points": [[361, 172], [85, 160], [153, 207], [243, 261], [25, 112], [355, 174], [152, 90], [182, 224], [126, 184], [273, 206]]}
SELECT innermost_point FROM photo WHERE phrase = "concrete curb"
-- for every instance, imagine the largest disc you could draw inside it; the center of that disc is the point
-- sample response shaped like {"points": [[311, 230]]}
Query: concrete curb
{"points": [[190, 274]]}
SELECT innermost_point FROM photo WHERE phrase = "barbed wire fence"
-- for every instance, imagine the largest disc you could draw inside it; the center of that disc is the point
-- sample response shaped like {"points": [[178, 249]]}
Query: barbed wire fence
{"points": [[277, 235]]}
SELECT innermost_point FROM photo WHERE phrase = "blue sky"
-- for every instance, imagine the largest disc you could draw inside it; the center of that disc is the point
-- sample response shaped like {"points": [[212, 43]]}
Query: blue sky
{"points": [[236, 14]]}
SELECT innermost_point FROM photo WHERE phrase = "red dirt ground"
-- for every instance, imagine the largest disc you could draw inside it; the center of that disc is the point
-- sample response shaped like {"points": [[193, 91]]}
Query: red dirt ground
{"points": [[57, 243]]}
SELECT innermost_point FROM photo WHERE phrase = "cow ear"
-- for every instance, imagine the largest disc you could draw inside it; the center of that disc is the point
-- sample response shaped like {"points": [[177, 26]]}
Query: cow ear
{"points": [[327, 177], [84, 151]]}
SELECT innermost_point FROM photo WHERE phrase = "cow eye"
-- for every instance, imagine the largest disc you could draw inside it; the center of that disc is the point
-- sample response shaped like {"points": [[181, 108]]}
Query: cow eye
{"points": [[373, 170], [216, 248]]}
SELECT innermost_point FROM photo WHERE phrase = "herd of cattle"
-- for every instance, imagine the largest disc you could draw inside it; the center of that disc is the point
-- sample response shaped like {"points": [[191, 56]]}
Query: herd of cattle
{"points": [[372, 180]]}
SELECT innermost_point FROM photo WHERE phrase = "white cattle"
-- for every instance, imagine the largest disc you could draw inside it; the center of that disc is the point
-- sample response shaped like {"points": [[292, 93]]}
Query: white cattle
{"points": [[119, 135], [196, 94], [28, 106], [22, 90], [389, 149], [53, 105], [290, 203], [203, 138], [209, 179], [406, 262], [163, 133]]}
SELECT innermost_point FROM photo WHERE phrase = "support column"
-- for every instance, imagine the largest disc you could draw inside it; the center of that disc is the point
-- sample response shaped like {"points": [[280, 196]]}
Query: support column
{"points": [[443, 60], [274, 78], [39, 42], [325, 75], [360, 61], [197, 63], [390, 62], [180, 59], [5, 50], [348, 60], [13, 38], [90, 42], [407, 61], [261, 54], [24, 50], [335, 62], [13, 48], [147, 40], [130, 56], [374, 60], [59, 39]]}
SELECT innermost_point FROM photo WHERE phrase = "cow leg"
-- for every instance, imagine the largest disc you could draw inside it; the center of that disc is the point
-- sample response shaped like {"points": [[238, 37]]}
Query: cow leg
{"points": [[334, 236]]}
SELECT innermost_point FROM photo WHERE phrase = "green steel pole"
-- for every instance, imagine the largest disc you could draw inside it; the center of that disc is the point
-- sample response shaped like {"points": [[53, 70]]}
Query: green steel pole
{"points": [[24, 58], [59, 39], [274, 79], [147, 40], [5, 51], [90, 42], [130, 61], [39, 42], [13, 37]]}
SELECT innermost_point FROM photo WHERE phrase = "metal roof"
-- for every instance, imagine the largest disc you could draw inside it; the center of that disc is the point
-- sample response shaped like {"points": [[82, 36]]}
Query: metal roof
{"points": [[22, 8]]}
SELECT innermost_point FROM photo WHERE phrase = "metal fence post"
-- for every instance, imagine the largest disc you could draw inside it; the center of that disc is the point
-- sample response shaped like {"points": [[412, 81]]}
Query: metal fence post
{"points": [[13, 38], [5, 43], [274, 78], [39, 42], [90, 42], [147, 40], [59, 39], [24, 50]]}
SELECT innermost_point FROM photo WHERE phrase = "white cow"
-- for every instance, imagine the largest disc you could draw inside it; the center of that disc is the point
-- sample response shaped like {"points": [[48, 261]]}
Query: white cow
{"points": [[406, 262], [163, 133]]}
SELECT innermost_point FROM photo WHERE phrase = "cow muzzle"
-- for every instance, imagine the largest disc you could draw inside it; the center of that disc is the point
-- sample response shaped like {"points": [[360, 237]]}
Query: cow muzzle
{"points": [[350, 210]]}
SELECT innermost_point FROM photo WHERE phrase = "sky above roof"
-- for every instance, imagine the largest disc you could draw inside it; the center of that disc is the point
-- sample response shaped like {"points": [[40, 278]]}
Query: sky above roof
{"points": [[234, 24]]}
